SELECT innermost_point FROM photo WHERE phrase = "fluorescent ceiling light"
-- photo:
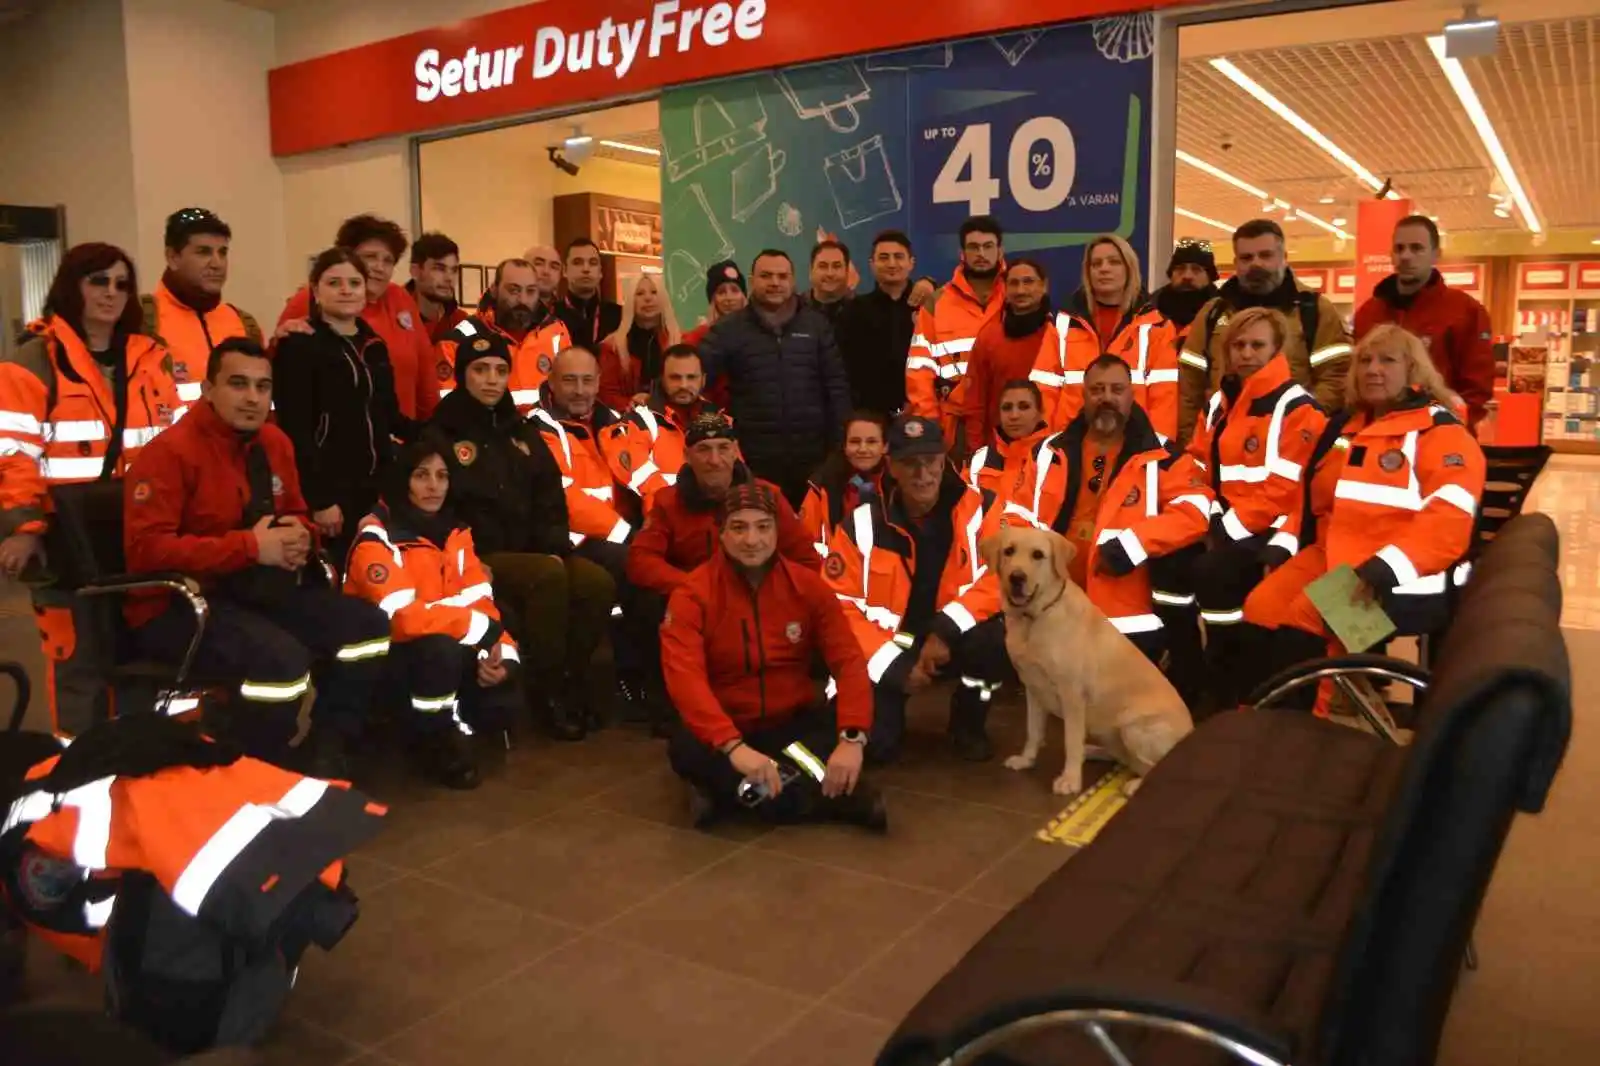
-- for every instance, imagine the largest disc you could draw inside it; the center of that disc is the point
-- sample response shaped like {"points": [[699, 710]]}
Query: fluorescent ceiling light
{"points": [[1456, 75], [1339, 221], [1222, 175], [1315, 221], [1213, 222], [626, 147], [1289, 115]]}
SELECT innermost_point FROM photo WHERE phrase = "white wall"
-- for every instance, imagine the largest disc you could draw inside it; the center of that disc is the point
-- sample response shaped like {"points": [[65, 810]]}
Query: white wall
{"points": [[311, 28], [64, 131], [322, 189]]}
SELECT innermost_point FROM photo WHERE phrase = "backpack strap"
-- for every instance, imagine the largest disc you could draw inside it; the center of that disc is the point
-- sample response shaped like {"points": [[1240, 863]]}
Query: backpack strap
{"points": [[1308, 306], [1213, 316]]}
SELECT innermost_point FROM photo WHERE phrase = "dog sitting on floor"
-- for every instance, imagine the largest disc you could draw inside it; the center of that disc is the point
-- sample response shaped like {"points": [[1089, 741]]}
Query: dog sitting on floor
{"points": [[1075, 665]]}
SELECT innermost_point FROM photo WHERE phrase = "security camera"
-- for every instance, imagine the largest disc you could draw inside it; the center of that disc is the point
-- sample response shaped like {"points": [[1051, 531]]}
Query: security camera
{"points": [[561, 162]]}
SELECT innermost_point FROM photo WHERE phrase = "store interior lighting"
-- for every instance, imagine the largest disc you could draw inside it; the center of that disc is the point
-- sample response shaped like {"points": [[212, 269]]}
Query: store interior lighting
{"points": [[1213, 222], [624, 146], [1269, 203], [1456, 75], [1226, 68]]}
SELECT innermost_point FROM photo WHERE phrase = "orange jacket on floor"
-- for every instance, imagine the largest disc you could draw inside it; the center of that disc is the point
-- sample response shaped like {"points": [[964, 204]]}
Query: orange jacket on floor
{"points": [[1145, 339], [531, 358], [585, 475], [737, 658], [946, 328], [645, 450], [57, 413], [1255, 448], [1155, 502], [872, 560], [396, 318], [190, 335], [425, 589], [1005, 466]]}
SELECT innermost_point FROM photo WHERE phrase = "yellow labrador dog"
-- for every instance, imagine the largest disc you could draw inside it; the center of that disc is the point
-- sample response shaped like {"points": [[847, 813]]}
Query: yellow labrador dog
{"points": [[1075, 664]]}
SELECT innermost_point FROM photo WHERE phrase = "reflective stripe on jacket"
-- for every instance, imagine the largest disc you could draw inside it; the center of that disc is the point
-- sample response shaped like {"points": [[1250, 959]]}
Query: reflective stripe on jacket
{"points": [[946, 328], [530, 360], [645, 450], [1004, 466], [1145, 339], [190, 335], [585, 476]]}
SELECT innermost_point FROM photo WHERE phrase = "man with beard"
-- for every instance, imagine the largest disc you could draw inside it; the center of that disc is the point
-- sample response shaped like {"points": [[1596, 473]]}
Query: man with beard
{"points": [[187, 311], [1127, 501], [1006, 349], [646, 449], [1191, 284], [1317, 345], [435, 275], [520, 314], [948, 324]]}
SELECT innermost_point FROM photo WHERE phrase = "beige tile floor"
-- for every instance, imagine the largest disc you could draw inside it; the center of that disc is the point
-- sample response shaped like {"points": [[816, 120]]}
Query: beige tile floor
{"points": [[564, 914]]}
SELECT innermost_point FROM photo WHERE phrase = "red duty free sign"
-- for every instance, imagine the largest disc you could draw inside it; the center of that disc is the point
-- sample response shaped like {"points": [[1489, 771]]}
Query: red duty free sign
{"points": [[562, 53]]}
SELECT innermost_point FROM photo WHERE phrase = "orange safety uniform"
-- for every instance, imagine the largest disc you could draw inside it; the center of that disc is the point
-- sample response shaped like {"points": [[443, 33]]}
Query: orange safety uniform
{"points": [[426, 590], [232, 846], [947, 326], [1145, 339], [190, 335], [871, 566], [1004, 466], [1394, 497], [585, 475], [645, 448], [833, 497], [531, 359], [1153, 502]]}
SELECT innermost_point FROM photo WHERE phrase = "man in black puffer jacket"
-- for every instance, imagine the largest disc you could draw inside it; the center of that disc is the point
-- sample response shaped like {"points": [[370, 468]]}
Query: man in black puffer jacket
{"points": [[786, 385]]}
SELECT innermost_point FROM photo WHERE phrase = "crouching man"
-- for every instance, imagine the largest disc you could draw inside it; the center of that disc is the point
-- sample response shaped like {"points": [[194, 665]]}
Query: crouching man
{"points": [[736, 650]]}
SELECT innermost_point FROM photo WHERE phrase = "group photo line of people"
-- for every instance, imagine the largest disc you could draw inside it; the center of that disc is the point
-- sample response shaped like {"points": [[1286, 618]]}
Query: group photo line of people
{"points": [[779, 519]]}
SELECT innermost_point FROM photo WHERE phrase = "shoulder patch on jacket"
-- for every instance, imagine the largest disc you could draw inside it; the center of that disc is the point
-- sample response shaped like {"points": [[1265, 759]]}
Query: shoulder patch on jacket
{"points": [[377, 573], [833, 565], [1455, 459]]}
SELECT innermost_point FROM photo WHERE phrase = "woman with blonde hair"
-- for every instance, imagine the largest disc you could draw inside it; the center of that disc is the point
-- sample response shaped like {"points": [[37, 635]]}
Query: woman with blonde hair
{"points": [[1253, 441], [1112, 314], [630, 359], [1396, 479]]}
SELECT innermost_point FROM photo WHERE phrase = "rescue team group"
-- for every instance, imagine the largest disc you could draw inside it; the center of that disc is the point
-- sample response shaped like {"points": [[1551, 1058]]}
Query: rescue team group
{"points": [[801, 477]]}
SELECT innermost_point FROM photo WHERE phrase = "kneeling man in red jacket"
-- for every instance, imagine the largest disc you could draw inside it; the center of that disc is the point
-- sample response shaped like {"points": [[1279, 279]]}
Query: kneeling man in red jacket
{"points": [[736, 650]]}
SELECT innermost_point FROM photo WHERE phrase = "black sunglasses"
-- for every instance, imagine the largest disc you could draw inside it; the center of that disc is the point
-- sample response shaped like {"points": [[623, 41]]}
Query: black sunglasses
{"points": [[1099, 473], [104, 281]]}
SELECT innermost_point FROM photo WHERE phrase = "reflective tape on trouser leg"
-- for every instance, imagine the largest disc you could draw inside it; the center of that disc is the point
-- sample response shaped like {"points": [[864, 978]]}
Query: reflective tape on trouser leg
{"points": [[441, 705], [985, 689], [275, 691], [806, 760], [365, 649], [1222, 618]]}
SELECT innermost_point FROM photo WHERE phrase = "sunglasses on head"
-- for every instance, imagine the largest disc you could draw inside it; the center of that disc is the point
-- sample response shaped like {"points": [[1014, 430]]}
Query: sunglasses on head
{"points": [[105, 281], [1099, 473]]}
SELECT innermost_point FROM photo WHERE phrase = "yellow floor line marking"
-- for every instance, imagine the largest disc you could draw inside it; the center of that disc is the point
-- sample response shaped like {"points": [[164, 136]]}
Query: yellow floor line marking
{"points": [[1086, 815]]}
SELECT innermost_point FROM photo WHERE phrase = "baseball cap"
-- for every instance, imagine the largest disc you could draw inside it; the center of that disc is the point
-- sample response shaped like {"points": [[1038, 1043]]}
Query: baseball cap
{"points": [[912, 435]]}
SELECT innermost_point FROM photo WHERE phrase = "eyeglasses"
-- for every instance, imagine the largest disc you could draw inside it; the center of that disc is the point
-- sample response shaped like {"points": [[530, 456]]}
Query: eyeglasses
{"points": [[105, 281], [1099, 473]]}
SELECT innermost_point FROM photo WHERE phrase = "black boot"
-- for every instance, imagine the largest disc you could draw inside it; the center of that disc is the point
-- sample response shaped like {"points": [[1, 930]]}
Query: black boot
{"points": [[552, 709], [703, 808], [863, 807], [969, 712], [448, 755], [322, 754]]}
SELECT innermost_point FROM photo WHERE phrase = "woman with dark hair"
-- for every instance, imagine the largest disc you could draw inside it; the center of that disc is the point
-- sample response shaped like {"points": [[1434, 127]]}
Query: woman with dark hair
{"points": [[334, 396], [79, 398], [415, 559], [848, 477]]}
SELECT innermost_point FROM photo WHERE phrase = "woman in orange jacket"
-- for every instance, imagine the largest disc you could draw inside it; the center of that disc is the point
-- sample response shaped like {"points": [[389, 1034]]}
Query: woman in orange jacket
{"points": [[1394, 492], [1253, 443], [414, 560], [1005, 465], [848, 477]]}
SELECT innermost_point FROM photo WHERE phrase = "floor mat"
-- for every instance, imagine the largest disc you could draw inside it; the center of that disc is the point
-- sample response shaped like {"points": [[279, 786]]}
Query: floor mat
{"points": [[1086, 815]]}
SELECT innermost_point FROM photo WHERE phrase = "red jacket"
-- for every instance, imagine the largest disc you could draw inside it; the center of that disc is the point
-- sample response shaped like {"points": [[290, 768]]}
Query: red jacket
{"points": [[737, 658], [184, 500], [996, 359], [1453, 325], [680, 534], [397, 320]]}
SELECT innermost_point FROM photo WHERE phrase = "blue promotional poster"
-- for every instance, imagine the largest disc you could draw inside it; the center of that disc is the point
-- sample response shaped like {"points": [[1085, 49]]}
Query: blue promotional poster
{"points": [[1047, 130]]}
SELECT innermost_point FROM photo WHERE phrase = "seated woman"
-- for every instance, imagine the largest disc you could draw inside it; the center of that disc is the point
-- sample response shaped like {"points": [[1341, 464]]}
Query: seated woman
{"points": [[1394, 492], [847, 477], [1004, 466], [760, 735], [414, 559]]}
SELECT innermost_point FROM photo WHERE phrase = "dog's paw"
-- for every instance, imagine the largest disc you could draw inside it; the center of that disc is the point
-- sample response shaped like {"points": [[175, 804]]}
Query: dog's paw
{"points": [[1068, 784], [1021, 762]]}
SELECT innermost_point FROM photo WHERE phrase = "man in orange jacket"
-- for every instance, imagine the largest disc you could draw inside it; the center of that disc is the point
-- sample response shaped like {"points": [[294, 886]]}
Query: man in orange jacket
{"points": [[919, 597], [737, 647], [947, 325], [646, 449], [519, 313]]}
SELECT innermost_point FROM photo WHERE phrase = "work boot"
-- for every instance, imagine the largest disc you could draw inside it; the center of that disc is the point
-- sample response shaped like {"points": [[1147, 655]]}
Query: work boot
{"points": [[454, 762], [968, 712], [863, 807], [703, 809], [322, 755]]}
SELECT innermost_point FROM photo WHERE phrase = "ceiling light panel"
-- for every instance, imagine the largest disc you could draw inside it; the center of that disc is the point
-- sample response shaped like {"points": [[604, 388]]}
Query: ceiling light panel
{"points": [[1456, 74], [1211, 221]]}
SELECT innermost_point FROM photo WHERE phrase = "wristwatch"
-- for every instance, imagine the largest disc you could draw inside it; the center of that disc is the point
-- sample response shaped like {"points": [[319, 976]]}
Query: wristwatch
{"points": [[853, 736]]}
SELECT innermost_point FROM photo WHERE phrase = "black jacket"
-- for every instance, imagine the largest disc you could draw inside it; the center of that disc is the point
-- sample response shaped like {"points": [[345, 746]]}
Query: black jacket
{"points": [[334, 397], [504, 483], [874, 333], [589, 321], [787, 392]]}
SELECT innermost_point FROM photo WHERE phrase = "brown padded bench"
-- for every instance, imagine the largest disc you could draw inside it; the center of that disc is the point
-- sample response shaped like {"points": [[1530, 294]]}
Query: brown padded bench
{"points": [[1284, 889]]}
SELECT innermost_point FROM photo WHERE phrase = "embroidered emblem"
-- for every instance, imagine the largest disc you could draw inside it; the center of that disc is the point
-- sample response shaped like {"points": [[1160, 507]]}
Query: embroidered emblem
{"points": [[913, 429], [834, 565], [1133, 497], [180, 373], [481, 344], [544, 364], [1252, 444], [404, 318], [625, 460], [377, 573], [444, 370], [46, 881], [141, 491], [1455, 459], [466, 452], [1392, 460], [277, 485], [792, 631], [163, 414]]}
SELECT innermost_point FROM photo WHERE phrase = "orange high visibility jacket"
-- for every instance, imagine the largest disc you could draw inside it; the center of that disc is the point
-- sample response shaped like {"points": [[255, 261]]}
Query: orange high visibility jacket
{"points": [[1145, 339], [831, 496], [947, 325], [425, 589], [57, 414], [645, 449], [585, 474], [1395, 497], [1155, 503], [1255, 448], [190, 335], [530, 361], [872, 560], [1004, 466], [231, 845]]}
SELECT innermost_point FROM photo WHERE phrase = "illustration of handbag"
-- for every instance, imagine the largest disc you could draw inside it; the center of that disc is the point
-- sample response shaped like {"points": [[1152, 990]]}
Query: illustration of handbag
{"points": [[1016, 45], [721, 128], [755, 180], [699, 240], [933, 57], [829, 91], [861, 182]]}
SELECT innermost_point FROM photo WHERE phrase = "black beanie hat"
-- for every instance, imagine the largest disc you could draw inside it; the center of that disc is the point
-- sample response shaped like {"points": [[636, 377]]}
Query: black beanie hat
{"points": [[486, 344], [1195, 253], [719, 274]]}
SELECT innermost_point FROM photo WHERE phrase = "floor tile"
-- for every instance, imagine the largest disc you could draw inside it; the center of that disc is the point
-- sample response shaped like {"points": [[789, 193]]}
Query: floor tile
{"points": [[580, 865], [1013, 879], [417, 947], [936, 843], [429, 824], [296, 1042], [659, 795], [825, 1036], [894, 982], [600, 1002], [784, 922]]}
